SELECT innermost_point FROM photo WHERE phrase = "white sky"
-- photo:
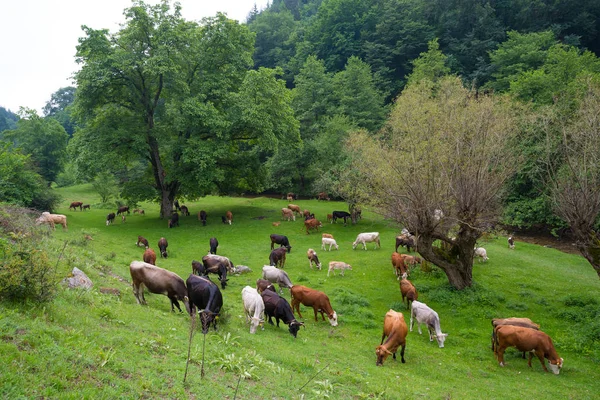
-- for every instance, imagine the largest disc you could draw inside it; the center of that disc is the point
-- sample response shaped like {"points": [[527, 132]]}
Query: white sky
{"points": [[38, 40]]}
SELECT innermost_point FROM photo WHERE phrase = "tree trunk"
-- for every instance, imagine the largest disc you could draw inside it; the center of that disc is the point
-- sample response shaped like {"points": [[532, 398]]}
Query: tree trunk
{"points": [[589, 247], [167, 191]]}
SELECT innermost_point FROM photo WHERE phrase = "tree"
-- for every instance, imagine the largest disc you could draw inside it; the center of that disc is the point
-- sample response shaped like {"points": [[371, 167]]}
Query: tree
{"points": [[430, 65], [179, 96], [438, 168], [59, 108], [575, 186]]}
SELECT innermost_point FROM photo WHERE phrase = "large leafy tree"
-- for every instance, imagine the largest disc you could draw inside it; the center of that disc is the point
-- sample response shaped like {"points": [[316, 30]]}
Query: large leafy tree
{"points": [[58, 107], [180, 97]]}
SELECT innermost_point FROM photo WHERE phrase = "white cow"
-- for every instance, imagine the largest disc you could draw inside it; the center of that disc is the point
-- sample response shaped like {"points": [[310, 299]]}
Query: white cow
{"points": [[425, 315], [333, 265], [278, 276], [367, 237], [254, 307], [480, 252], [329, 241]]}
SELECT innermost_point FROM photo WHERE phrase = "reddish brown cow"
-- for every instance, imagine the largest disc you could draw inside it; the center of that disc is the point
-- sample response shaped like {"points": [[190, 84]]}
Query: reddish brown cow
{"points": [[149, 257], [394, 327], [524, 322], [229, 217], [76, 204], [409, 292], [162, 245], [315, 299], [398, 264], [143, 241], [263, 284], [312, 224], [295, 208], [527, 339], [287, 214], [277, 257]]}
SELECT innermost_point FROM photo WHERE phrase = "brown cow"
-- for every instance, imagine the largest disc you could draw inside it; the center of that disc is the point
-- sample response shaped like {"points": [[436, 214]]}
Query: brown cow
{"points": [[122, 210], [287, 214], [322, 196], [312, 258], [394, 327], [229, 217], [162, 246], [143, 241], [86, 206], [263, 284], [409, 292], [315, 299], [277, 257], [295, 208], [527, 339], [159, 281], [312, 224], [399, 266], [76, 204], [149, 256], [524, 322]]}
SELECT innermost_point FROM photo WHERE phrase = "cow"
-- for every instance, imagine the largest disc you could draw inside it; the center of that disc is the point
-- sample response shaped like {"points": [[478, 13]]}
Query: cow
{"points": [[333, 265], [76, 204], [395, 329], [481, 253], [217, 265], [322, 196], [142, 241], [341, 215], [367, 237], [291, 196], [328, 241], [241, 269], [312, 224], [511, 242], [330, 218], [149, 256], [275, 275], [277, 257], [139, 211], [198, 268], [159, 281], [277, 223], [205, 295], [229, 217], [295, 208], [176, 204], [123, 209], [86, 207], [398, 264], [278, 307], [214, 243], [408, 291], [254, 308], [327, 235], [527, 339], [312, 258], [174, 221], [524, 322], [110, 218], [281, 240], [425, 315], [52, 219], [407, 240], [287, 214], [123, 218], [202, 217], [263, 284], [162, 246], [185, 211], [315, 299], [307, 215]]}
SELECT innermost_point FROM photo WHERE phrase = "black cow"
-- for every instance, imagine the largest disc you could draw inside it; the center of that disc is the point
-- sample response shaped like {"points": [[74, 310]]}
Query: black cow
{"points": [[214, 243], [280, 240], [184, 210], [122, 210], [278, 307], [223, 219], [174, 221], [110, 218], [177, 205], [204, 294], [202, 217], [405, 240], [340, 214], [217, 265], [277, 256], [162, 245]]}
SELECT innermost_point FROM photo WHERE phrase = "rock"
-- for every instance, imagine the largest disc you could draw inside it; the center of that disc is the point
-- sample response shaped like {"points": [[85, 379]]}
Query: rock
{"points": [[78, 279]]}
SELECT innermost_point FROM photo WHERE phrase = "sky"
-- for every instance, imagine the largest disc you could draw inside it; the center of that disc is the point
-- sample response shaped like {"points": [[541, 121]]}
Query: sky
{"points": [[39, 39]]}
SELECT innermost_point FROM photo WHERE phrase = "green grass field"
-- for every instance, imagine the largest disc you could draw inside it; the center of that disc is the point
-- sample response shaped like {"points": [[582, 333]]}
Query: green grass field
{"points": [[86, 344]]}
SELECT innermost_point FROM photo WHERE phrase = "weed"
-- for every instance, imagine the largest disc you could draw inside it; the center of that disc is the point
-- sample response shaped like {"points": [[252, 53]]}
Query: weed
{"points": [[324, 389]]}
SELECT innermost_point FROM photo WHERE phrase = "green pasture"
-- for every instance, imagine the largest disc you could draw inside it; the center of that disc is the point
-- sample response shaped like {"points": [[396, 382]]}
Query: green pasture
{"points": [[87, 344]]}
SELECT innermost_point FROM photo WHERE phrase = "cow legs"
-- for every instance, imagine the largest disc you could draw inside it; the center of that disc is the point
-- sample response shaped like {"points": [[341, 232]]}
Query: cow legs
{"points": [[540, 355], [402, 353], [174, 302]]}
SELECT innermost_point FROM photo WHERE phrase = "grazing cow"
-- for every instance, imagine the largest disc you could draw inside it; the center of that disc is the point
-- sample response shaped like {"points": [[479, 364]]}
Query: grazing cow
{"points": [[198, 268], [110, 218], [254, 308], [309, 216], [330, 218], [275, 275], [306, 214], [205, 295], [395, 329], [276, 223], [328, 241], [263, 284], [217, 265], [312, 224], [341, 215], [202, 217], [481, 253], [76, 204], [407, 240], [277, 257], [527, 339], [409, 292], [398, 264], [229, 217], [185, 211], [327, 235], [174, 221], [123, 209], [367, 237], [524, 322], [142, 241], [511, 242], [149, 256], [322, 196], [52, 219], [241, 269], [281, 240], [312, 258], [342, 266], [214, 243], [162, 246], [295, 208], [123, 218], [139, 211], [278, 307], [159, 281], [287, 214], [315, 299], [425, 315], [86, 207]]}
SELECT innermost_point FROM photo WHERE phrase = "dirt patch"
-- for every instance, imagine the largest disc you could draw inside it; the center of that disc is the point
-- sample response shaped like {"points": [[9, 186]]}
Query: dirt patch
{"points": [[565, 245], [260, 217]]}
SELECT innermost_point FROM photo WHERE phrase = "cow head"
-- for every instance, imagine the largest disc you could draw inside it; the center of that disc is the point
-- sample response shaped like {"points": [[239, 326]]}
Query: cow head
{"points": [[382, 353], [440, 338], [206, 318], [289, 248], [255, 323], [333, 319], [295, 327], [555, 366]]}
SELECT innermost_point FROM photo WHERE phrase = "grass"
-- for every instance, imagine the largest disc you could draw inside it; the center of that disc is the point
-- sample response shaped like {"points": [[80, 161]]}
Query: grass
{"points": [[87, 344]]}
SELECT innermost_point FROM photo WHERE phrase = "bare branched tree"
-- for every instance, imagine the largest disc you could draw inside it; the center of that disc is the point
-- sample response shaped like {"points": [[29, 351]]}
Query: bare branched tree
{"points": [[438, 168]]}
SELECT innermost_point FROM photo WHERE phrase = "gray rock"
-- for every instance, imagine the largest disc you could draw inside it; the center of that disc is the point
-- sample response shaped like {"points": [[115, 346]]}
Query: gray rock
{"points": [[78, 279]]}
